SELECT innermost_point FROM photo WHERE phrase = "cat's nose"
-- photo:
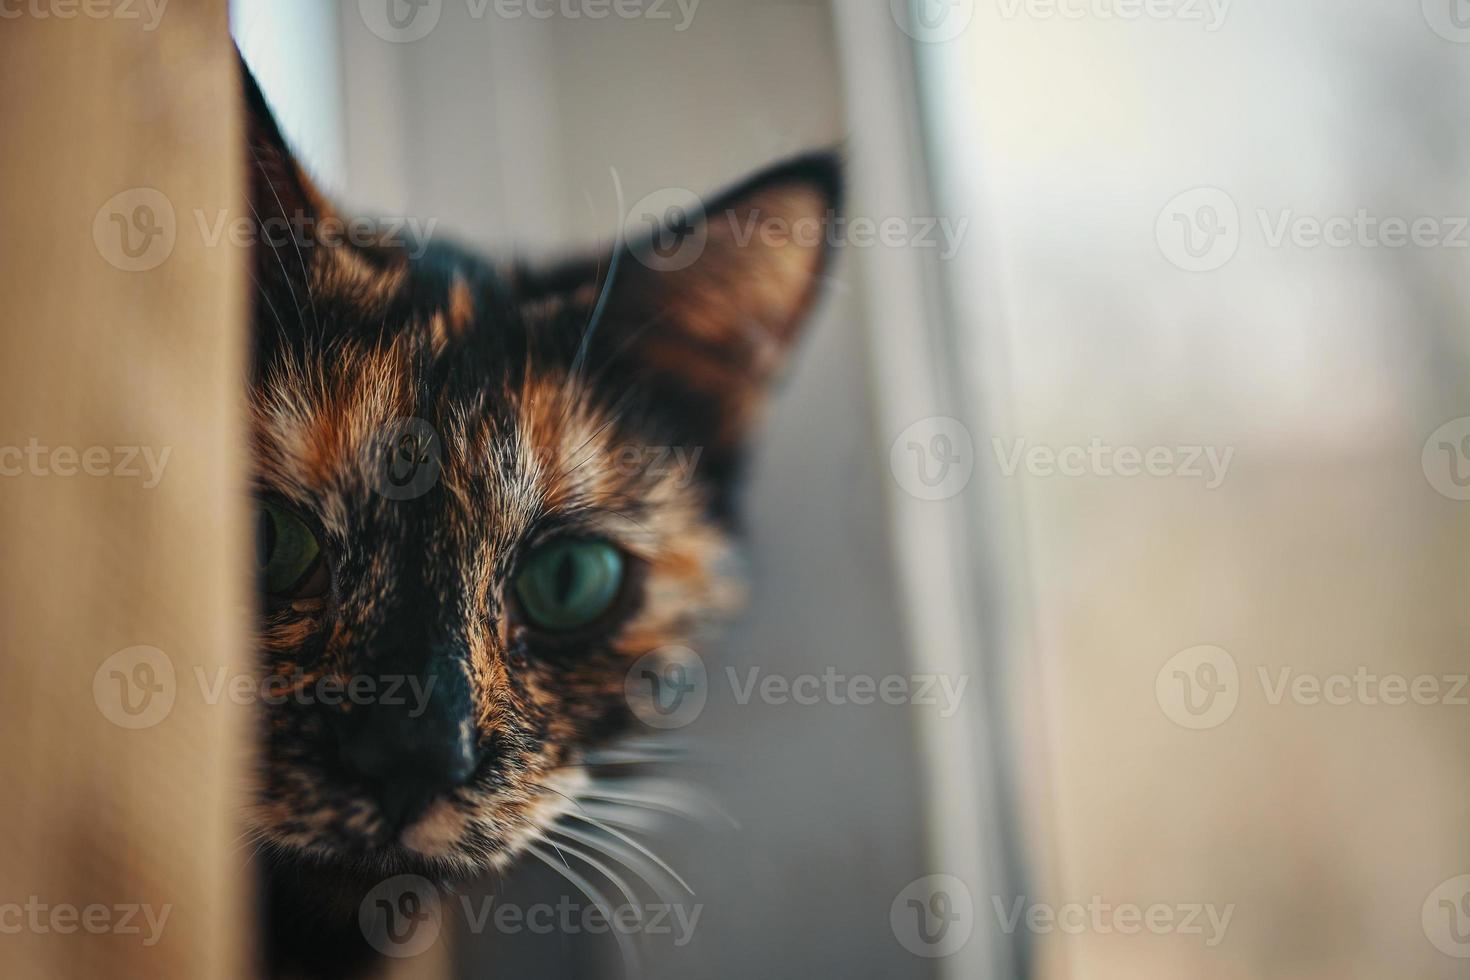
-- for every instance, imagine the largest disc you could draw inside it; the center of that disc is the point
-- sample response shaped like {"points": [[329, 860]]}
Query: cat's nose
{"points": [[410, 747]]}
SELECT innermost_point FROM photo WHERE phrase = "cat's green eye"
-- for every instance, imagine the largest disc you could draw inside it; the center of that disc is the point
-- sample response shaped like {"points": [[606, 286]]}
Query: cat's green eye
{"points": [[568, 584], [287, 554]]}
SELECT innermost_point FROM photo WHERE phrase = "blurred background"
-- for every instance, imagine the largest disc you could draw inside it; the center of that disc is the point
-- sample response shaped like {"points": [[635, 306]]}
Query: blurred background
{"points": [[1172, 264], [1129, 452]]}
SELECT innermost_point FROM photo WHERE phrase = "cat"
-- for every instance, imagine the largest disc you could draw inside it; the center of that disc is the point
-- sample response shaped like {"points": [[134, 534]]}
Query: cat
{"points": [[458, 511]]}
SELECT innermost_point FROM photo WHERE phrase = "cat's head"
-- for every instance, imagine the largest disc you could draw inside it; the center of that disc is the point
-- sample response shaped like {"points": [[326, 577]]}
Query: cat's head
{"points": [[483, 493]]}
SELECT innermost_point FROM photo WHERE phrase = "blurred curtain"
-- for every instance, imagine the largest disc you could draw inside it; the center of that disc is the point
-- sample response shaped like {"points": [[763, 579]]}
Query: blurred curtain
{"points": [[1322, 546]]}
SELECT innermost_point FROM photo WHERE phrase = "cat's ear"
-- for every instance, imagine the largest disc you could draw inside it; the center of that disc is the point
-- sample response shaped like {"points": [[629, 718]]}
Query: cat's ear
{"points": [[705, 306]]}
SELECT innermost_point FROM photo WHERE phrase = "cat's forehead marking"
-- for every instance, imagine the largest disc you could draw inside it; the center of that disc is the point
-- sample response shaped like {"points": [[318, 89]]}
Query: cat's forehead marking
{"points": [[461, 305], [508, 455], [352, 276], [314, 416], [541, 450], [452, 321]]}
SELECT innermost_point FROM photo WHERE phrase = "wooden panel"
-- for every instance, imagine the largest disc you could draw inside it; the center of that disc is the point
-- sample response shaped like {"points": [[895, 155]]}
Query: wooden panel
{"points": [[117, 773]]}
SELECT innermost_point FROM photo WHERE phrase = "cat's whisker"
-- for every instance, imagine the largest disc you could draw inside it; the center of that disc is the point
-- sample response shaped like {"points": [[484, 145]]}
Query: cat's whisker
{"points": [[250, 836], [631, 963], [637, 802], [700, 818], [558, 852], [631, 520], [612, 274], [607, 872], [615, 415], [244, 837], [600, 513], [261, 290], [644, 821], [674, 797], [634, 843], [615, 850], [663, 787], [623, 761], [671, 745], [264, 847], [256, 840], [627, 342], [275, 250], [305, 274]]}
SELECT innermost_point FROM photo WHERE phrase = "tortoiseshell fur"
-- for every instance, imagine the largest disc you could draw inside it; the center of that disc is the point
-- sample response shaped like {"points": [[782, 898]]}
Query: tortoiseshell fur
{"points": [[553, 397]]}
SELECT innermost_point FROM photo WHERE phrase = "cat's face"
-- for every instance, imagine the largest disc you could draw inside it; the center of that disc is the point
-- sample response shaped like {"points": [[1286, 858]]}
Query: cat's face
{"points": [[483, 495]]}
